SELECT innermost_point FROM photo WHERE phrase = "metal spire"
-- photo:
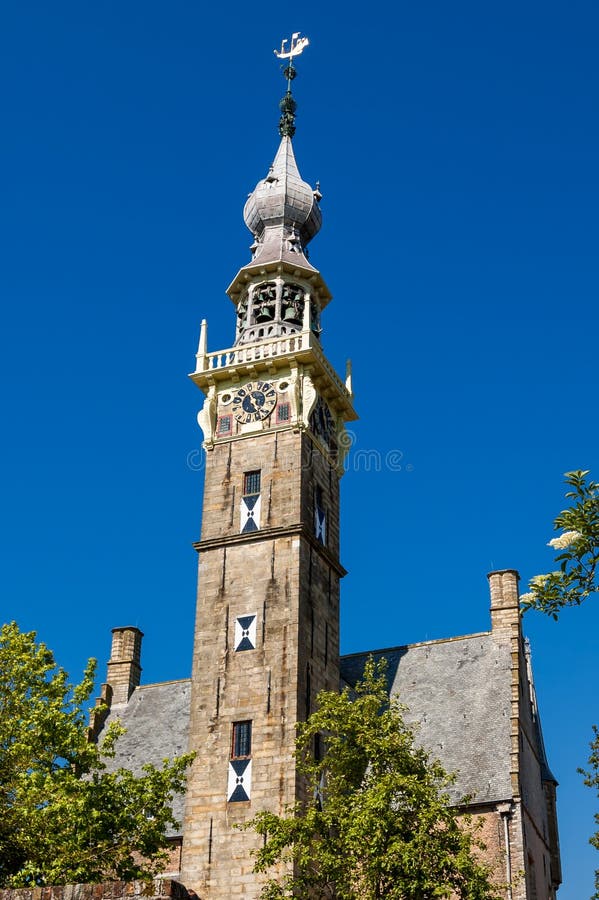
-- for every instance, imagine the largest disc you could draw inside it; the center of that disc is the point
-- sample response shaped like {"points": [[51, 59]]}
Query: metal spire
{"points": [[288, 105]]}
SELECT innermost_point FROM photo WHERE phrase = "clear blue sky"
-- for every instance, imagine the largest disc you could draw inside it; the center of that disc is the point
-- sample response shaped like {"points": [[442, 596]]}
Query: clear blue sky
{"points": [[456, 145]]}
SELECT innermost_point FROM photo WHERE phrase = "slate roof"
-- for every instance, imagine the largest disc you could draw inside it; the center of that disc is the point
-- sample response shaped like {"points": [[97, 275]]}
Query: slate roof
{"points": [[458, 691], [157, 722]]}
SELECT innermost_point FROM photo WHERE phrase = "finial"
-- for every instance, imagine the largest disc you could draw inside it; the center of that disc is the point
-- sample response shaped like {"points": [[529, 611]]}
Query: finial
{"points": [[348, 378], [288, 105]]}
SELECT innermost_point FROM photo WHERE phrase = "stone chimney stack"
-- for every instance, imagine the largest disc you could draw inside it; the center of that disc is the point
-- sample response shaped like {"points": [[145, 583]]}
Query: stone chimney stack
{"points": [[124, 669], [505, 604]]}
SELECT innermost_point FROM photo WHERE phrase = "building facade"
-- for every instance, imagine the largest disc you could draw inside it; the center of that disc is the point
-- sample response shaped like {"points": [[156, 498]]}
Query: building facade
{"points": [[267, 629]]}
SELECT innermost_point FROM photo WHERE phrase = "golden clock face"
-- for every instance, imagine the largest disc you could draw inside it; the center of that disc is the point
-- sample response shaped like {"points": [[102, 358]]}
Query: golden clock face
{"points": [[254, 401]]}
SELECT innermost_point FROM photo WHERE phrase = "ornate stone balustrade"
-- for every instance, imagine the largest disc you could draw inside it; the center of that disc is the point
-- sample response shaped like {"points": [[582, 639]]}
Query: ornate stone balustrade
{"points": [[303, 342], [248, 353]]}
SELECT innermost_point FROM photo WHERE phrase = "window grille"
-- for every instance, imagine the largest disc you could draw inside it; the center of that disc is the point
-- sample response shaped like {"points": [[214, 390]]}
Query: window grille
{"points": [[283, 412], [251, 483], [241, 744], [225, 424]]}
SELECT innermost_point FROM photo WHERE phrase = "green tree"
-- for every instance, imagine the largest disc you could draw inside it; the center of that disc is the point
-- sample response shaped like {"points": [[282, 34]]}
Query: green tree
{"points": [[578, 556], [591, 779], [574, 581], [64, 817], [376, 820]]}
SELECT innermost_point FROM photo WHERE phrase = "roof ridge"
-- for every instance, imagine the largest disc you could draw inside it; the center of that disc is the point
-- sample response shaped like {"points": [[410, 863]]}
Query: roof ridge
{"points": [[447, 640]]}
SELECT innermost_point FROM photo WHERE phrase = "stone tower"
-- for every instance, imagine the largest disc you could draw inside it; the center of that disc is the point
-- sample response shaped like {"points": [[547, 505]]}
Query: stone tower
{"points": [[267, 626]]}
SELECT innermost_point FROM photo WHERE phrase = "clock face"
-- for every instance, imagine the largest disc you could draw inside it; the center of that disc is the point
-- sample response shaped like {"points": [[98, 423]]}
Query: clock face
{"points": [[254, 401], [322, 422]]}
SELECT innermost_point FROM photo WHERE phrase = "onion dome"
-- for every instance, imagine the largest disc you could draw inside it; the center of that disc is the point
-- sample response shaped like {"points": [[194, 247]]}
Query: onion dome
{"points": [[283, 212]]}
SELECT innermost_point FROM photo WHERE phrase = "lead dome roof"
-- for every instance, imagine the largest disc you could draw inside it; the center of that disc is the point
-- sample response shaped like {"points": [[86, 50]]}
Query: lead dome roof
{"points": [[282, 208]]}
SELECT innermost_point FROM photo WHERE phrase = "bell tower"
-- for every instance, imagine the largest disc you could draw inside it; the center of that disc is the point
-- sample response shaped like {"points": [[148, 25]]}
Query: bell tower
{"points": [[267, 626]]}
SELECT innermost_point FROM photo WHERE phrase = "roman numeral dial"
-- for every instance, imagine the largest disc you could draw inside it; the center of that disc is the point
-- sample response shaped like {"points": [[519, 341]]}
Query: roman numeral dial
{"points": [[254, 401]]}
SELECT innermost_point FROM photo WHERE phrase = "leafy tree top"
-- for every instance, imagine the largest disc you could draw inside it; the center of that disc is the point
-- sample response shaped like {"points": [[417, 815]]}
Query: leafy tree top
{"points": [[591, 779], [375, 821], [573, 582], [64, 816], [575, 579]]}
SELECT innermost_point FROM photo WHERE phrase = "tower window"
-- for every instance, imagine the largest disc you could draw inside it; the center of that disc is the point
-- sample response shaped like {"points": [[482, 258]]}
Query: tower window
{"points": [[241, 743], [283, 412], [251, 483], [225, 424], [239, 784], [250, 502]]}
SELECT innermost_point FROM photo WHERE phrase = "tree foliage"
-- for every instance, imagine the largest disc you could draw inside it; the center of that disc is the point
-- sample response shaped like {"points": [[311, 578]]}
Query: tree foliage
{"points": [[376, 820], [64, 816], [578, 556], [574, 581], [591, 779]]}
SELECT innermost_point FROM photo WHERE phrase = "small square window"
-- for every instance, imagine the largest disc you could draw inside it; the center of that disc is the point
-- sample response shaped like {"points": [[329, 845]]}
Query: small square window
{"points": [[251, 483], [241, 743], [225, 425], [283, 412]]}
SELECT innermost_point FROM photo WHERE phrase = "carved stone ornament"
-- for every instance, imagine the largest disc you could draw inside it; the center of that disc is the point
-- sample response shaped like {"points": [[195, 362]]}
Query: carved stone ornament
{"points": [[294, 393], [309, 398], [207, 416]]}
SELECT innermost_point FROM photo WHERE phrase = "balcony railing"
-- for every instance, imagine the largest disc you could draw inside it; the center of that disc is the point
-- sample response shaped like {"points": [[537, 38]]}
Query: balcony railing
{"points": [[265, 349], [247, 353]]}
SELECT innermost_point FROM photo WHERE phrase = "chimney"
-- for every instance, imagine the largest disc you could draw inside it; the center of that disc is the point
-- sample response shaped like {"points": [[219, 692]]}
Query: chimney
{"points": [[505, 602], [124, 669]]}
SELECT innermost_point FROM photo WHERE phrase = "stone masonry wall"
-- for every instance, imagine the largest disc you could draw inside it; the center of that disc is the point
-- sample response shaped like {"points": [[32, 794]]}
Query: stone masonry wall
{"points": [[159, 889], [283, 576]]}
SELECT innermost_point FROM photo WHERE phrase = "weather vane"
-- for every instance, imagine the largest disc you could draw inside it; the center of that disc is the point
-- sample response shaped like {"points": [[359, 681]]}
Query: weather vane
{"points": [[288, 105], [297, 45]]}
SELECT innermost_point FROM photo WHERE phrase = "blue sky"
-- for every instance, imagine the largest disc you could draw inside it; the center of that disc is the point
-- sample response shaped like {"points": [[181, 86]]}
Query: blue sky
{"points": [[456, 146]]}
